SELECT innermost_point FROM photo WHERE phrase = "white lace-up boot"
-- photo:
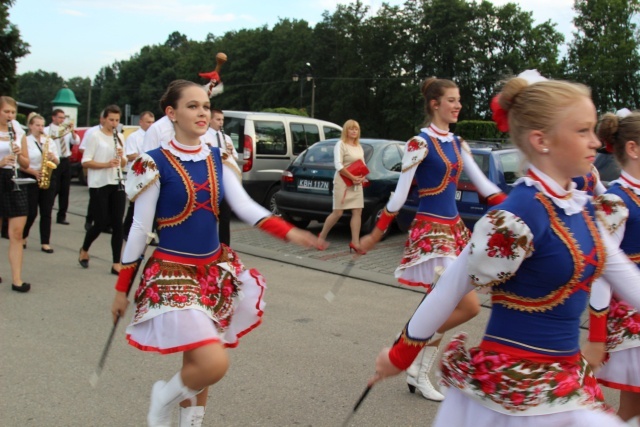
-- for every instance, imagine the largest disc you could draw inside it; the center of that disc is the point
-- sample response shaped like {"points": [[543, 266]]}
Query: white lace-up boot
{"points": [[191, 416], [421, 381], [164, 397]]}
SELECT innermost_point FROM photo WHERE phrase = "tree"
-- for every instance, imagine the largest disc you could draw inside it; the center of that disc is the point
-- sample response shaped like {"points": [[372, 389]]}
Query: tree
{"points": [[605, 52], [12, 48], [39, 88]]}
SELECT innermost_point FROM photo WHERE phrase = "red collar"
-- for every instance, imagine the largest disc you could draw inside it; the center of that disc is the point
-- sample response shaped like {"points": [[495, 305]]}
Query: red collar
{"points": [[183, 150], [438, 132], [547, 188], [632, 184]]}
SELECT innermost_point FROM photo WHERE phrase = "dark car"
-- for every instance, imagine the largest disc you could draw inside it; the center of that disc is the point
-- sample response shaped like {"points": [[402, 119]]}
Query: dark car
{"points": [[307, 184], [499, 164], [607, 166]]}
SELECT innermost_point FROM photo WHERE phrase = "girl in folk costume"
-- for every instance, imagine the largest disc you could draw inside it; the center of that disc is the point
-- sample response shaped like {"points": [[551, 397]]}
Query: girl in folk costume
{"points": [[195, 295], [13, 204], [435, 159], [622, 371], [346, 152], [538, 253], [40, 198]]}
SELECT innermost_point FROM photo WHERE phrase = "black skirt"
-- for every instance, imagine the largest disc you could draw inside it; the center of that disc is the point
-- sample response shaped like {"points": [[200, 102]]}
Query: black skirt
{"points": [[12, 203]]}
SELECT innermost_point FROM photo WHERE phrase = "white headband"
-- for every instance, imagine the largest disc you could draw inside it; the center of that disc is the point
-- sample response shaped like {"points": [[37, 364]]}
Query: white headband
{"points": [[622, 113], [532, 76]]}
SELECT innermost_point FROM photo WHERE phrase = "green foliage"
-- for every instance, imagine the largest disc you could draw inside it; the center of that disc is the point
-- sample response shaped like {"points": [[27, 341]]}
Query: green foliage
{"points": [[12, 48], [605, 53], [476, 130], [286, 110], [21, 118], [39, 88], [369, 67]]}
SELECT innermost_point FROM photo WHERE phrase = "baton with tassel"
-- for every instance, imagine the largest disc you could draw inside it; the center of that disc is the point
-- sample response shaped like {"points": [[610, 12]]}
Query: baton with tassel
{"points": [[93, 380]]}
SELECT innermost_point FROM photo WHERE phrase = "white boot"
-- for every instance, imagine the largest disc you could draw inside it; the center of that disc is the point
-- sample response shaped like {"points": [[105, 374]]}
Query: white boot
{"points": [[191, 416], [421, 381], [412, 371], [164, 397]]}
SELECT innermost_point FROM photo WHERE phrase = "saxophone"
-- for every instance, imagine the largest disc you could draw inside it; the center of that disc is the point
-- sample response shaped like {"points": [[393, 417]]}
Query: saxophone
{"points": [[47, 166]]}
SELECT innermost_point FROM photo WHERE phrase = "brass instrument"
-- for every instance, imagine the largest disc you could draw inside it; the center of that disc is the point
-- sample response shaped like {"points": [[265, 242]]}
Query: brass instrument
{"points": [[63, 130], [47, 166], [116, 142]]}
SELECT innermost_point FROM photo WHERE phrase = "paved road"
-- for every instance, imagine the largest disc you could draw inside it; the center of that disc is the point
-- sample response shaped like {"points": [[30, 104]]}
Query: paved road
{"points": [[305, 366]]}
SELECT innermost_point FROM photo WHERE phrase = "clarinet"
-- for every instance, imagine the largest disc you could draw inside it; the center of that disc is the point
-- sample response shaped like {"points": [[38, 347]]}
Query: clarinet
{"points": [[12, 137], [116, 142]]}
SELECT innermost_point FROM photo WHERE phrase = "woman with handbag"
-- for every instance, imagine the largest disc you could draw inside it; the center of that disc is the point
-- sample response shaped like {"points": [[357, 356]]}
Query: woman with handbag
{"points": [[348, 158]]}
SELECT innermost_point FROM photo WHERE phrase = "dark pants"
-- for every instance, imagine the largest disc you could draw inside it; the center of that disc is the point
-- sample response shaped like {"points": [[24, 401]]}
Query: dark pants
{"points": [[107, 204], [63, 178], [224, 225], [41, 200]]}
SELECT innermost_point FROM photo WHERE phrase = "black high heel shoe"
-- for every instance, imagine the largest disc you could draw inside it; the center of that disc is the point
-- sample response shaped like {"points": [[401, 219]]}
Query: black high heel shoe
{"points": [[358, 251], [83, 262], [47, 250]]}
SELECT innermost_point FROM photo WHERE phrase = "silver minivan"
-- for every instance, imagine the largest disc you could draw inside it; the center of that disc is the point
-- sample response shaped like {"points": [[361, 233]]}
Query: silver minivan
{"points": [[269, 142]]}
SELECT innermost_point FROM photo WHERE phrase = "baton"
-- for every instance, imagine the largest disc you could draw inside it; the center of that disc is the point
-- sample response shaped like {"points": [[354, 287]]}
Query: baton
{"points": [[331, 295], [93, 380], [357, 405]]}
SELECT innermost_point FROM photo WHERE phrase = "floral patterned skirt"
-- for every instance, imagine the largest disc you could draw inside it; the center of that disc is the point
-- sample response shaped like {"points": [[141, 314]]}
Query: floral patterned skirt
{"points": [[515, 386], [180, 305], [623, 326], [433, 242]]}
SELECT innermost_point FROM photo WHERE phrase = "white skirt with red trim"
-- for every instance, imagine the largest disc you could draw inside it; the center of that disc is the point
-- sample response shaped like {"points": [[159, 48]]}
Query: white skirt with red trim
{"points": [[460, 410], [622, 370], [188, 328]]}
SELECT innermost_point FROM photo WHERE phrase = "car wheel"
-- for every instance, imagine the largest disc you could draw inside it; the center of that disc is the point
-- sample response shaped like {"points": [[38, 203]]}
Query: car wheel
{"points": [[370, 223], [298, 222], [270, 201]]}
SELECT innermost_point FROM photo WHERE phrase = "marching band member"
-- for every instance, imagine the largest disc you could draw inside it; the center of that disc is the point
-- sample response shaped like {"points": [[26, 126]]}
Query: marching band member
{"points": [[104, 158], [195, 296], [435, 158], [40, 196], [538, 253], [63, 171], [621, 371], [13, 204]]}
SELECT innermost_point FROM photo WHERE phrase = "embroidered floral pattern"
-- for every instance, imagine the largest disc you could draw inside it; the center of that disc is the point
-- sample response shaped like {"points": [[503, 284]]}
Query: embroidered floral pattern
{"points": [[611, 211], [518, 384], [623, 324], [141, 165], [210, 287], [414, 145], [430, 239]]}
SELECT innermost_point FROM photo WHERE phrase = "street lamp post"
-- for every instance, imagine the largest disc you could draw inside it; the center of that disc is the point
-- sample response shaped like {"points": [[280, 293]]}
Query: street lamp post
{"points": [[311, 79], [296, 77]]}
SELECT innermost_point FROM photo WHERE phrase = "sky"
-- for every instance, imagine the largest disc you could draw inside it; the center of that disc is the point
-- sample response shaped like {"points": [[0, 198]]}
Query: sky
{"points": [[76, 38]]}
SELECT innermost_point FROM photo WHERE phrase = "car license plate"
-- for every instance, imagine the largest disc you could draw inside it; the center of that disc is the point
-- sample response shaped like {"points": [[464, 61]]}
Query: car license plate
{"points": [[313, 186], [458, 195]]}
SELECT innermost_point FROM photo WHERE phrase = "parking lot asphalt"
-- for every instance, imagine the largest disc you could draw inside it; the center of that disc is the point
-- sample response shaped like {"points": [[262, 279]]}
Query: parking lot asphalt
{"points": [[306, 365]]}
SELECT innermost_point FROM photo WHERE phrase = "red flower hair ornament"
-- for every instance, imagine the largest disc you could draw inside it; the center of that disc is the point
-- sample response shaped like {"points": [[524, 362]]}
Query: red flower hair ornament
{"points": [[499, 115]]}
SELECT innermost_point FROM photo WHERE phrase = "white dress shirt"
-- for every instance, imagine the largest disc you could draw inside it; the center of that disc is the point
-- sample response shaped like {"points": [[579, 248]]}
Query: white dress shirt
{"points": [[65, 142], [101, 148]]}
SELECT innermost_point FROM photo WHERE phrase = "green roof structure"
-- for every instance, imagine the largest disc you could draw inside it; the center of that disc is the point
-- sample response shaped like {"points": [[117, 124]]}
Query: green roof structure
{"points": [[65, 98]]}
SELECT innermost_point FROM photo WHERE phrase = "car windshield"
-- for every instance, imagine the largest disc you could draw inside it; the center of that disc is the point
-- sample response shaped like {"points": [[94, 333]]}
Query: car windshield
{"points": [[482, 159], [510, 165], [322, 154]]}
